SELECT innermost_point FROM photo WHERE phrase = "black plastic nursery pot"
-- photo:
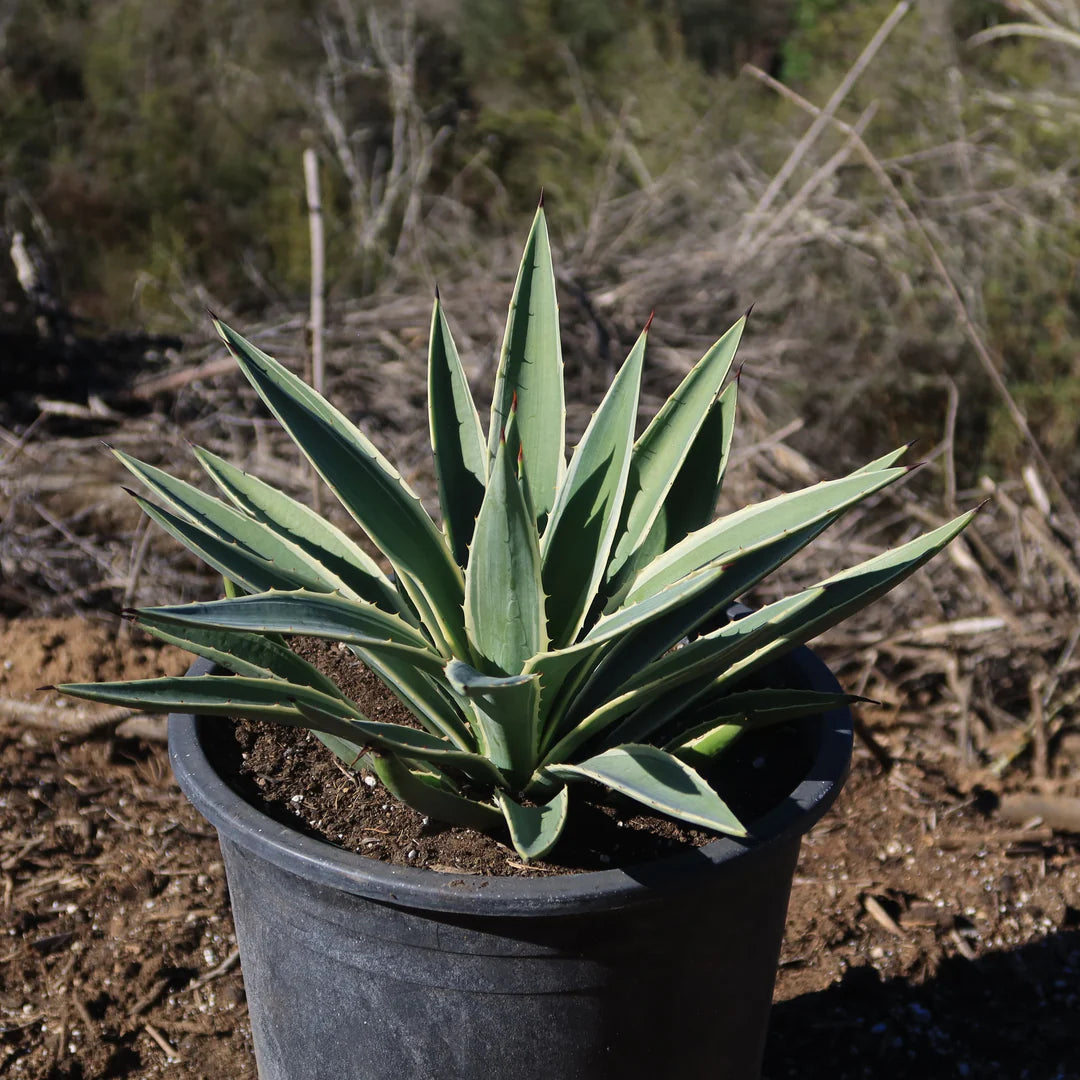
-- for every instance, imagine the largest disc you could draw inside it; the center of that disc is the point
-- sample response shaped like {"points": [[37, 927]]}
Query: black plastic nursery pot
{"points": [[360, 970]]}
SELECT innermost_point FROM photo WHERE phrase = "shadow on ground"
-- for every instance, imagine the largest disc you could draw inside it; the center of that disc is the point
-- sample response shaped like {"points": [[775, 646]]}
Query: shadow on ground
{"points": [[1009, 1015]]}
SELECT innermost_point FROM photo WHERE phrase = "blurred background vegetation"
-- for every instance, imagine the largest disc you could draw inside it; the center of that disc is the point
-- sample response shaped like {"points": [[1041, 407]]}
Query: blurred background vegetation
{"points": [[152, 153]]}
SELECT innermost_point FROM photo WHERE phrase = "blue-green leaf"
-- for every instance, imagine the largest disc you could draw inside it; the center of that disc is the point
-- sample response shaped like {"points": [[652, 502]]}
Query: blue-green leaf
{"points": [[457, 440], [820, 503], [582, 526], [776, 629], [534, 830], [316, 614], [504, 598], [560, 672], [531, 368], [239, 651], [324, 545], [886, 461], [725, 719], [369, 487], [691, 502], [405, 742], [425, 794], [238, 565], [658, 780], [695, 600], [424, 695], [506, 716], [352, 755], [287, 562], [663, 679], [225, 695], [665, 446], [841, 595]]}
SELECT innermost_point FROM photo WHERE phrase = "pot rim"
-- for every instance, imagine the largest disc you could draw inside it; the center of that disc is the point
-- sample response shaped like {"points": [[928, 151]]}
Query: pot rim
{"points": [[564, 894]]}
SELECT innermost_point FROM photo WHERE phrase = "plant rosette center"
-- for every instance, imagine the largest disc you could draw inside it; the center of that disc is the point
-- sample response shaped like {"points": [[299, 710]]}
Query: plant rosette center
{"points": [[293, 778]]}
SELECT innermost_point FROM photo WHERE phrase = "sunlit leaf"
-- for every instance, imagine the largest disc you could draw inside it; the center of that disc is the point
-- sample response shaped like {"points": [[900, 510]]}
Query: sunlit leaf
{"points": [[534, 830], [583, 521], [662, 451], [531, 369], [369, 487], [504, 597], [658, 780]]}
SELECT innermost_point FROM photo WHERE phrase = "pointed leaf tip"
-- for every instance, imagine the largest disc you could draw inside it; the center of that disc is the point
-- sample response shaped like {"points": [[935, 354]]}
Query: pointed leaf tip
{"points": [[38, 689], [436, 292], [648, 322], [540, 204], [749, 310]]}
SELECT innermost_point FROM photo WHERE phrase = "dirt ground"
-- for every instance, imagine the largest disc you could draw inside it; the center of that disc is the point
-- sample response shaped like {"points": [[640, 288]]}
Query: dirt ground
{"points": [[927, 934]]}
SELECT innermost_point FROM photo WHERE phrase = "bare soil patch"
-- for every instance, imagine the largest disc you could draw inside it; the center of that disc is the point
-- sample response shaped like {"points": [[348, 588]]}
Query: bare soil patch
{"points": [[926, 934], [117, 957]]}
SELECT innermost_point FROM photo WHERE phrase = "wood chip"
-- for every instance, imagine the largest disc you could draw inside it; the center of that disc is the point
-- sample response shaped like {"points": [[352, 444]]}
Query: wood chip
{"points": [[924, 913], [83, 1011], [1000, 838], [881, 916], [148, 728], [170, 1051], [1061, 812], [193, 1027], [60, 718], [962, 947], [176, 914]]}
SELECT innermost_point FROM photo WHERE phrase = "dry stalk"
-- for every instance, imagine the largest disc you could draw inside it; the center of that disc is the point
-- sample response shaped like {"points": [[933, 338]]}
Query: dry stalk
{"points": [[1058, 34], [744, 252], [822, 119], [988, 363], [318, 292], [69, 721], [318, 263]]}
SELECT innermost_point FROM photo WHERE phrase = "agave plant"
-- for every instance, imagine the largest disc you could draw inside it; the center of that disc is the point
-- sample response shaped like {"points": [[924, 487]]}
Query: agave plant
{"points": [[564, 625]]}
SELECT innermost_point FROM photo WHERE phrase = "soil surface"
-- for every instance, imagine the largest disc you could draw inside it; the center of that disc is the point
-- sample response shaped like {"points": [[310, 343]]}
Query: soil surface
{"points": [[927, 934], [350, 808]]}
